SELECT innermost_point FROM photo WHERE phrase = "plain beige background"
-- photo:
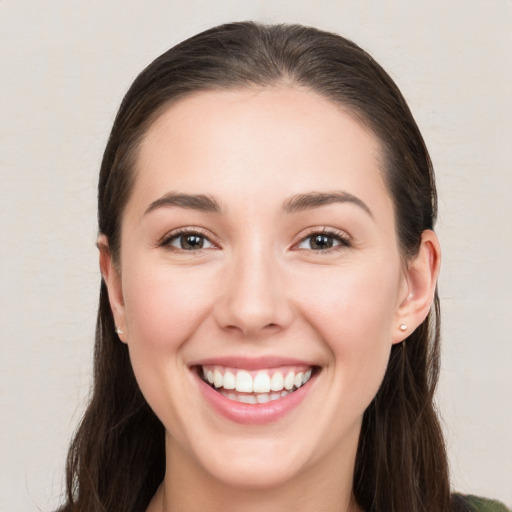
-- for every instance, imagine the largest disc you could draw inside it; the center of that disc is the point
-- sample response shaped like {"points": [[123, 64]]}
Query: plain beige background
{"points": [[64, 68]]}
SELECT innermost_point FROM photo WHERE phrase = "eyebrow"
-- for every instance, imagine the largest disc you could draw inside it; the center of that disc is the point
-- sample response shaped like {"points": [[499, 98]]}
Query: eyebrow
{"points": [[301, 202], [296, 203], [201, 202]]}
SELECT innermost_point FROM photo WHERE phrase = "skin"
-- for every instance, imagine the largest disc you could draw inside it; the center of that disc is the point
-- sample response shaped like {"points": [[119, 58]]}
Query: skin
{"points": [[258, 287]]}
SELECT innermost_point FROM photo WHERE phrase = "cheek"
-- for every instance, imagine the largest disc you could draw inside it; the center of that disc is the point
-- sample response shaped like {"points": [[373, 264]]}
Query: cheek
{"points": [[359, 302], [354, 312], [163, 308]]}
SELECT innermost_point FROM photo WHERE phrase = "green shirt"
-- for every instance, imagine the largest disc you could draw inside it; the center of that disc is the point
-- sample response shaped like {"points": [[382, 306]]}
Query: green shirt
{"points": [[485, 505]]}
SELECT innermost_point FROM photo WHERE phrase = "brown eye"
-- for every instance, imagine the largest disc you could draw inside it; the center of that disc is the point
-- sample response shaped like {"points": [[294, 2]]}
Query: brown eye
{"points": [[323, 242], [189, 242], [320, 242]]}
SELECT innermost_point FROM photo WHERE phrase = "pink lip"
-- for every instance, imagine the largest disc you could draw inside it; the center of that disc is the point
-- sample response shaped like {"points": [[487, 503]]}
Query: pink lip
{"points": [[253, 363], [253, 414]]}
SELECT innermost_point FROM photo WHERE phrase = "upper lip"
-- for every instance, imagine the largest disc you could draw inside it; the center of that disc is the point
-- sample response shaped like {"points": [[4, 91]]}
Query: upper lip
{"points": [[252, 363]]}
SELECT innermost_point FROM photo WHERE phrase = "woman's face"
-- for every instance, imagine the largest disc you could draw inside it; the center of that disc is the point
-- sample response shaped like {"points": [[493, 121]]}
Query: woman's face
{"points": [[259, 249]]}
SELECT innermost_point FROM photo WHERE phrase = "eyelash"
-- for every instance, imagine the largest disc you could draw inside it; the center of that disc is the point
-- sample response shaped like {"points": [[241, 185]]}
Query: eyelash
{"points": [[342, 238], [175, 235], [339, 236]]}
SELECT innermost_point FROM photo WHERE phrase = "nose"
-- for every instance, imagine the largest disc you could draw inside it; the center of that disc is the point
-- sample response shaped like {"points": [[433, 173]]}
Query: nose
{"points": [[253, 301]]}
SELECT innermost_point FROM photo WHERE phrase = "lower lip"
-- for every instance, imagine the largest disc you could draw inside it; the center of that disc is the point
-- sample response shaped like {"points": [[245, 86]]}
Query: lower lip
{"points": [[254, 414]]}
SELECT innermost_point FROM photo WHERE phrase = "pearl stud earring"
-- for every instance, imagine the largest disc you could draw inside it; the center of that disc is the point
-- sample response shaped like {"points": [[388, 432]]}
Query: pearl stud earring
{"points": [[119, 331], [403, 327]]}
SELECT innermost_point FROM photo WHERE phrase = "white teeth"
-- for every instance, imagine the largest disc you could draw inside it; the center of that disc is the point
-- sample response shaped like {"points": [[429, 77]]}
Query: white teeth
{"points": [[243, 382], [261, 383], [229, 381], [263, 399], [277, 382], [289, 381], [247, 399], [218, 380]]}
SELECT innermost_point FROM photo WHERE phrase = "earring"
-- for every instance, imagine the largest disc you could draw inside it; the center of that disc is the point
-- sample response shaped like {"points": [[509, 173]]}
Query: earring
{"points": [[403, 327], [119, 331]]}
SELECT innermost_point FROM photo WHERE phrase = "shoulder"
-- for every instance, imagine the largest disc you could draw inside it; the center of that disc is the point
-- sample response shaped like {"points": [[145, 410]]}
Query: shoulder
{"points": [[477, 504]]}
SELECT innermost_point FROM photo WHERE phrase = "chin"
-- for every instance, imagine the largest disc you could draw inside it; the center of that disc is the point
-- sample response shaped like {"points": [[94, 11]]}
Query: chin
{"points": [[245, 464], [254, 474]]}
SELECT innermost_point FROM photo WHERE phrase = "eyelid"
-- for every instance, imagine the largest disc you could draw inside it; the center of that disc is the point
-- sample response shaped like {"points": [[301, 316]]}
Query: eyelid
{"points": [[344, 238], [187, 230]]}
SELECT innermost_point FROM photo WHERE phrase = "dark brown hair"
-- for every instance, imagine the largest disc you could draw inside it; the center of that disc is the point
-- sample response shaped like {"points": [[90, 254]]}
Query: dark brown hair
{"points": [[116, 460]]}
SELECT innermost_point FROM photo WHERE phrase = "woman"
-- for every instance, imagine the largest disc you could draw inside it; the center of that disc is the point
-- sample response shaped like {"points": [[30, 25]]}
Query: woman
{"points": [[268, 329]]}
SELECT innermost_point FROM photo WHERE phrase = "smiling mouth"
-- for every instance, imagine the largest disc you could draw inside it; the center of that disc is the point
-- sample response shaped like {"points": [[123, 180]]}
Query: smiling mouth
{"points": [[255, 387]]}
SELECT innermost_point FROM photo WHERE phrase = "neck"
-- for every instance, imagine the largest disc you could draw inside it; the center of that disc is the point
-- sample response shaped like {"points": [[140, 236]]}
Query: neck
{"points": [[315, 489]]}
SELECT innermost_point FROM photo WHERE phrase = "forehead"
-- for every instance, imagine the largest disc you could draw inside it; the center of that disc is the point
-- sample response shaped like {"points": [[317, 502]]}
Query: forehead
{"points": [[258, 143]]}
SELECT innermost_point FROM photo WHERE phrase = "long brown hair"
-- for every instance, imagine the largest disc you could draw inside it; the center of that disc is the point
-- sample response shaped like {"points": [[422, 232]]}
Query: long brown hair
{"points": [[117, 458]]}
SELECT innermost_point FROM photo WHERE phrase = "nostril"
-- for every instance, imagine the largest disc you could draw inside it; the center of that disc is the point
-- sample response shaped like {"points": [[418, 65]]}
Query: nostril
{"points": [[234, 328], [250, 331]]}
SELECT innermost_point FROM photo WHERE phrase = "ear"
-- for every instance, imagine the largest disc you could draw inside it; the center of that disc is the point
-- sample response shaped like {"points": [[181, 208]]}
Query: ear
{"points": [[420, 284], [112, 278]]}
